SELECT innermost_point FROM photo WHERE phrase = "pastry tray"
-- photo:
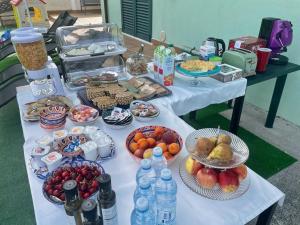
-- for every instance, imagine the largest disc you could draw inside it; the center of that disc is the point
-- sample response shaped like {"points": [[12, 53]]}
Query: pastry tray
{"points": [[83, 97]]}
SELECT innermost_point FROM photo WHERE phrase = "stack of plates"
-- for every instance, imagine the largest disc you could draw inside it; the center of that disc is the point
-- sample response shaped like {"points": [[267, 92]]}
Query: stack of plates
{"points": [[117, 118]]}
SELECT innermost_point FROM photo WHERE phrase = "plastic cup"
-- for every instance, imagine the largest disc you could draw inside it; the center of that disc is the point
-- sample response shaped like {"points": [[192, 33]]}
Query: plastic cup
{"points": [[263, 56]]}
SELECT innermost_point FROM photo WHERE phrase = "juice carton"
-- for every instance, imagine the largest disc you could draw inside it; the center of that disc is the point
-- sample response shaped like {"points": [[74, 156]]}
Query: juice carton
{"points": [[168, 66]]}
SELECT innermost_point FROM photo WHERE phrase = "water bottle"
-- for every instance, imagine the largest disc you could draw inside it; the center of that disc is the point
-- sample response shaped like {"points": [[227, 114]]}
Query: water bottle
{"points": [[159, 162], [142, 214], [146, 170], [144, 189], [165, 190]]}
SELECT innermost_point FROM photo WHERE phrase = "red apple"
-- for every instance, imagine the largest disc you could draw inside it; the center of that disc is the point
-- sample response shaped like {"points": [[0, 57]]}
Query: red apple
{"points": [[139, 153], [241, 171], [228, 181], [207, 178], [168, 137]]}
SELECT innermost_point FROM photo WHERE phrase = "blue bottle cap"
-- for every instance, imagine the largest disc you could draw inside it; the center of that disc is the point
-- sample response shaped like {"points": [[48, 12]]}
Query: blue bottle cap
{"points": [[157, 151], [166, 174], [146, 163], [142, 204], [144, 182]]}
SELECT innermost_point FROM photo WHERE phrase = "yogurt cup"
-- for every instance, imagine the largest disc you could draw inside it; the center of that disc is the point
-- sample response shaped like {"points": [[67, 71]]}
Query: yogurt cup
{"points": [[59, 134], [77, 130], [38, 153], [104, 149], [90, 130], [52, 160], [44, 141], [90, 150]]}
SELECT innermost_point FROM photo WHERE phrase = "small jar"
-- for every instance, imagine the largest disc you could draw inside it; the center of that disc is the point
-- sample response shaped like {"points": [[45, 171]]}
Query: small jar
{"points": [[137, 64], [31, 50]]}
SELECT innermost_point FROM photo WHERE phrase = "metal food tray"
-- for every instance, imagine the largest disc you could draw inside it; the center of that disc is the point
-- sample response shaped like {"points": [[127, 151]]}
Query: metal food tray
{"points": [[122, 75], [83, 98]]}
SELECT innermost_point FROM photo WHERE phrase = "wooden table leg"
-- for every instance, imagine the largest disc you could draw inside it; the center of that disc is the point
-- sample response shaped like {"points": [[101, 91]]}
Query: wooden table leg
{"points": [[266, 216], [236, 114], [278, 89]]}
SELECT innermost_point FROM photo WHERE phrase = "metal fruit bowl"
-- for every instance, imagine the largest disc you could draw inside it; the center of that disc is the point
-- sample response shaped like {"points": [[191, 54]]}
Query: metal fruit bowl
{"points": [[239, 148]]}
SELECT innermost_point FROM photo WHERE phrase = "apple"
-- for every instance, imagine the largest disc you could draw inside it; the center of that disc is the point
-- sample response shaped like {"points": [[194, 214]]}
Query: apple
{"points": [[192, 166], [139, 153], [241, 171], [228, 181], [168, 137], [207, 178]]}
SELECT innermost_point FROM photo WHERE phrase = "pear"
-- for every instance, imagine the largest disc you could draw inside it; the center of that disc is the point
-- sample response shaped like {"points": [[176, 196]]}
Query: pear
{"points": [[223, 138], [204, 146], [222, 152], [213, 140]]}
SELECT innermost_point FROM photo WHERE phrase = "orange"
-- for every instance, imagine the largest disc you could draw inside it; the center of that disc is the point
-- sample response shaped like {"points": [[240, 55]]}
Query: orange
{"points": [[151, 142], [174, 148], [168, 155], [133, 147], [159, 131], [143, 144], [138, 136], [163, 146]]}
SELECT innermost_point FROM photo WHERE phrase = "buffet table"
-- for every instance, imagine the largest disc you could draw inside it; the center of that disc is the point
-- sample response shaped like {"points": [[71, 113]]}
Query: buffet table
{"points": [[191, 207]]}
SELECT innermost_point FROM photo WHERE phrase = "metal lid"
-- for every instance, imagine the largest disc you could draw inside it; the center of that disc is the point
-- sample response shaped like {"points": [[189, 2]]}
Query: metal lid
{"points": [[28, 38], [89, 209], [70, 189], [104, 183]]}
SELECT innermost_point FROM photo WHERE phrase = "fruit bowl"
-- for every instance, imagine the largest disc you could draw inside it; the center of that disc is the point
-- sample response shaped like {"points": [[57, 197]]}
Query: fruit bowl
{"points": [[83, 115], [139, 143], [240, 150], [217, 184], [83, 171]]}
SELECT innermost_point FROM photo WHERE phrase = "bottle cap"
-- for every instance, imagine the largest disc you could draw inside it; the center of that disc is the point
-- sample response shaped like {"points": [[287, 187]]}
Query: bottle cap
{"points": [[157, 151], [142, 204], [170, 45], [146, 163], [104, 183], [89, 210], [166, 174], [70, 190], [144, 182]]}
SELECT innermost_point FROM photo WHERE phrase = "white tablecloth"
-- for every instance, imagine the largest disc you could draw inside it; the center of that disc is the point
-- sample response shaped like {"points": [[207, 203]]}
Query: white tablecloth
{"points": [[186, 98], [192, 209]]}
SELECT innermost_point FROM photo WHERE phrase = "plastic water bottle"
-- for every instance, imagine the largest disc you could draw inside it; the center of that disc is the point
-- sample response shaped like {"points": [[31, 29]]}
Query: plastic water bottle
{"points": [[144, 189], [142, 214], [165, 190], [159, 162], [146, 170]]}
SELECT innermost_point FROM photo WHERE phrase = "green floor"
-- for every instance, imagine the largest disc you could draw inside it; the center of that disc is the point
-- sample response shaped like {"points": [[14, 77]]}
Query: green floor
{"points": [[15, 198]]}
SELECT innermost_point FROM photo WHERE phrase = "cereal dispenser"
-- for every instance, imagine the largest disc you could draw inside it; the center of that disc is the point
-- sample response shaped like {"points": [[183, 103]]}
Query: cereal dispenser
{"points": [[40, 72]]}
